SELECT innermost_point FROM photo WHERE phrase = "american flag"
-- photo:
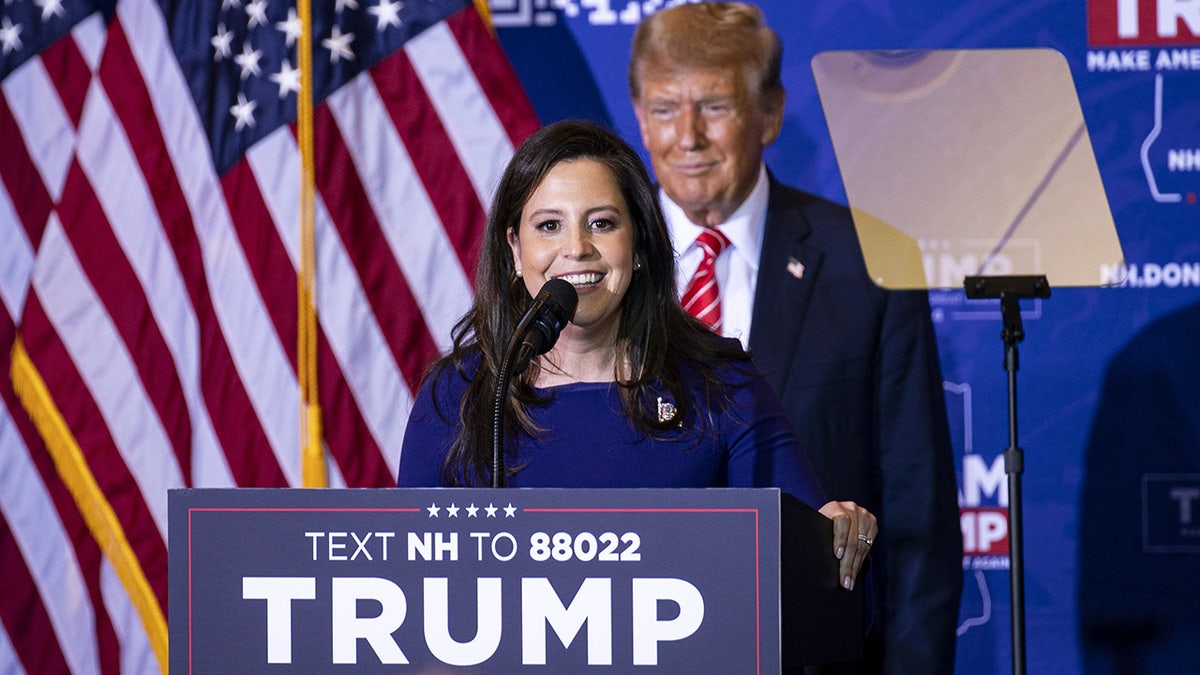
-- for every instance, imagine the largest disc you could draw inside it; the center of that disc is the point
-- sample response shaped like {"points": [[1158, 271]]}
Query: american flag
{"points": [[149, 250]]}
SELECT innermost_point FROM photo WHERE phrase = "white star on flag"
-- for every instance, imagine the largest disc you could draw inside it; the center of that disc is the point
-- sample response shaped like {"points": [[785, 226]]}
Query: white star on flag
{"points": [[10, 36], [248, 60], [290, 28], [50, 8], [386, 13], [256, 12], [288, 79], [243, 112], [222, 43], [338, 45]]}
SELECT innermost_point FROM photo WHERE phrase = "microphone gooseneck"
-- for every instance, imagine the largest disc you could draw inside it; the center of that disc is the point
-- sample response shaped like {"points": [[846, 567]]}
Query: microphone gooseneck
{"points": [[535, 334]]}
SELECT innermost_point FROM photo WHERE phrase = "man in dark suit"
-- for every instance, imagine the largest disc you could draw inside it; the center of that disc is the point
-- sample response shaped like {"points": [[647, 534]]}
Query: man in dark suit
{"points": [[855, 365]]}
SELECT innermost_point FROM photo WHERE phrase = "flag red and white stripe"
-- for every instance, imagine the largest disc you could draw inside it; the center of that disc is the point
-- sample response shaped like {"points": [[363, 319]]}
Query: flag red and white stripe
{"points": [[149, 289]]}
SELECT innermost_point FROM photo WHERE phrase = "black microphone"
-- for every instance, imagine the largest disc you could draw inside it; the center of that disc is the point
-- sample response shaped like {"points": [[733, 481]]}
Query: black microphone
{"points": [[538, 330], [535, 334]]}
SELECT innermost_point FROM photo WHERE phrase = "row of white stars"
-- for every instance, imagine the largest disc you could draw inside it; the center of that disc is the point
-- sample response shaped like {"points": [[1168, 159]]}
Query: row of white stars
{"points": [[386, 13], [510, 511]]}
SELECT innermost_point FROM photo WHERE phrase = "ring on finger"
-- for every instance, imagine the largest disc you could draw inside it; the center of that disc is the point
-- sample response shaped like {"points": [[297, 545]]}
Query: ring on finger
{"points": [[865, 539]]}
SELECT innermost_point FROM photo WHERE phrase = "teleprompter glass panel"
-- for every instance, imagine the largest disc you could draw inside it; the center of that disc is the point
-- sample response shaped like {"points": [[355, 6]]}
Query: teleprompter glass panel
{"points": [[964, 163]]}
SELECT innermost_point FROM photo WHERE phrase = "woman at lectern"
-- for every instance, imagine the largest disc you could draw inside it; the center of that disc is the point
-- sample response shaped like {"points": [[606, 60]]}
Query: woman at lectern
{"points": [[635, 392]]}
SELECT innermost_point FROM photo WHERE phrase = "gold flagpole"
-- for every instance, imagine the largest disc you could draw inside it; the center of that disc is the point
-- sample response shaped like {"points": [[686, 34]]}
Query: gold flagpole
{"points": [[312, 456]]}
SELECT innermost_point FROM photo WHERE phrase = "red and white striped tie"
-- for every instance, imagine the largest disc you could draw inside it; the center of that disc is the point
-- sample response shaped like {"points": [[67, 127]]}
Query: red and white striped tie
{"points": [[702, 298]]}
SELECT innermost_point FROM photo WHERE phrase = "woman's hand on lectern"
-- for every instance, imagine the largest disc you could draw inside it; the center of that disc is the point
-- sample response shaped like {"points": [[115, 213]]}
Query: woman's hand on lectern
{"points": [[854, 531]]}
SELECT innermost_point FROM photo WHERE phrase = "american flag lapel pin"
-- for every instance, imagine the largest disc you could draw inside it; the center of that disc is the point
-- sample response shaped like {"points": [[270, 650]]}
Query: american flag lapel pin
{"points": [[795, 268]]}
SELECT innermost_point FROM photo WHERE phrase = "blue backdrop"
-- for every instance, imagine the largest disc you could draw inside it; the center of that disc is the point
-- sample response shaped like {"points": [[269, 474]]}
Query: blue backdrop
{"points": [[1136, 67]]}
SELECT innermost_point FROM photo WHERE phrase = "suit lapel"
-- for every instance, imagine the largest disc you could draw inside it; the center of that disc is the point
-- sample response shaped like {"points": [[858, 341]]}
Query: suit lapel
{"points": [[787, 271]]}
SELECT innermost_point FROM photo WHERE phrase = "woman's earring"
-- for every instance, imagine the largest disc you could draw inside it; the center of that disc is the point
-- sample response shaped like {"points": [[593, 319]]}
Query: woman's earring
{"points": [[637, 264], [518, 272]]}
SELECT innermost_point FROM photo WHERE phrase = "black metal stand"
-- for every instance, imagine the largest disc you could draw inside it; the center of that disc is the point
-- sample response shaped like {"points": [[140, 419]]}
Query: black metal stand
{"points": [[1010, 290]]}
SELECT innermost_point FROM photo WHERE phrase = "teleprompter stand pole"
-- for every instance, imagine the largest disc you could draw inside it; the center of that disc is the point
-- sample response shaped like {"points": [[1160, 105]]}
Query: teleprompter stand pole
{"points": [[1010, 290]]}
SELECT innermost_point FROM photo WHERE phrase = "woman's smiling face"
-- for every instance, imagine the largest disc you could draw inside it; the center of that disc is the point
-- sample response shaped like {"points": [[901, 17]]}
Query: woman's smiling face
{"points": [[576, 226]]}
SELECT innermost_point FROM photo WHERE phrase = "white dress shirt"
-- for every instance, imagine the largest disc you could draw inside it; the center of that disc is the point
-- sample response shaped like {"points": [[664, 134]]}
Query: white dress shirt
{"points": [[737, 268]]}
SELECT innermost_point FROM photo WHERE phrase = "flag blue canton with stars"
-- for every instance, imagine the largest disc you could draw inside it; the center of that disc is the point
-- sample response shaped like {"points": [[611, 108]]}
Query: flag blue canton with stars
{"points": [[239, 57], [29, 26]]}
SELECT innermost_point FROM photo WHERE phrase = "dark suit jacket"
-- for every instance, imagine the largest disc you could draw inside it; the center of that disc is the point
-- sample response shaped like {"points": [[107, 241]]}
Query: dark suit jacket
{"points": [[857, 369]]}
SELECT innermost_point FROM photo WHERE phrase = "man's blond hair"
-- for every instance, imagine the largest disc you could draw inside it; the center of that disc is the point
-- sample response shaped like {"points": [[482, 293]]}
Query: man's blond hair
{"points": [[708, 35]]}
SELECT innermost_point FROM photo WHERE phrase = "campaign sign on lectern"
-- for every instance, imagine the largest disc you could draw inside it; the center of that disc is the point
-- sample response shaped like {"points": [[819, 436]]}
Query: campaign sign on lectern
{"points": [[478, 580]]}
